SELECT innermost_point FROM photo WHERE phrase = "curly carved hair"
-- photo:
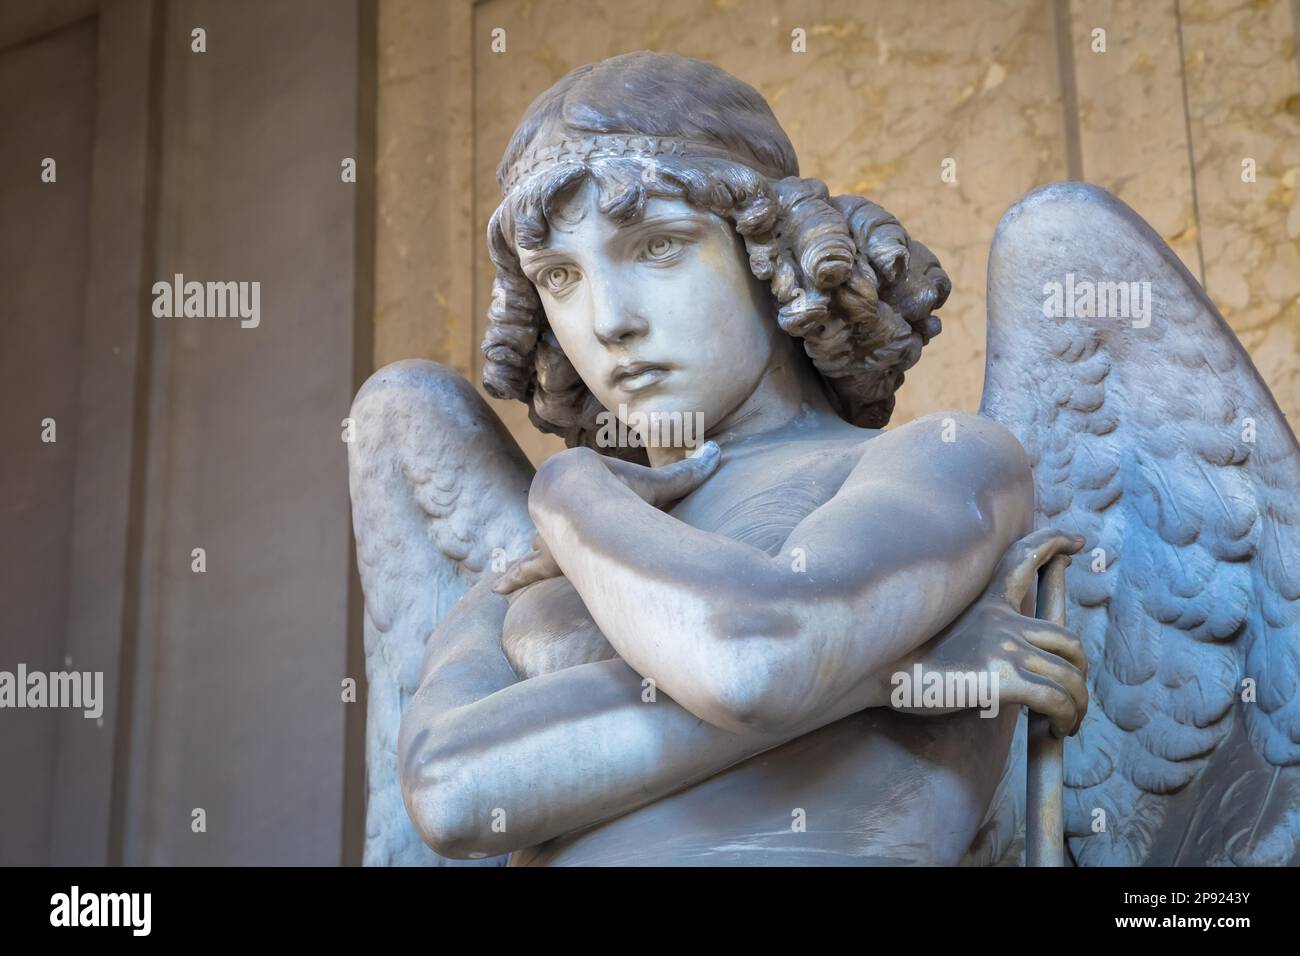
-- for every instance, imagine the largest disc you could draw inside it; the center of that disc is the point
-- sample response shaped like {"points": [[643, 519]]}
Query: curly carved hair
{"points": [[845, 277]]}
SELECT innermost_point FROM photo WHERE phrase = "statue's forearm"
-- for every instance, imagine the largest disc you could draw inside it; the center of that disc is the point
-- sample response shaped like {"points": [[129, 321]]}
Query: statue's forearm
{"points": [[543, 756], [742, 640], [552, 754], [556, 753], [491, 764]]}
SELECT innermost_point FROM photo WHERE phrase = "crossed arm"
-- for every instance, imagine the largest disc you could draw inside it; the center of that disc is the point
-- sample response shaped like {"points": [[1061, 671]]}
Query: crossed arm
{"points": [[740, 639], [745, 653]]}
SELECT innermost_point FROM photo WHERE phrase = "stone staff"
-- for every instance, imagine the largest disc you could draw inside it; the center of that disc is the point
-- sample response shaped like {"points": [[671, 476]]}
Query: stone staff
{"points": [[1044, 817]]}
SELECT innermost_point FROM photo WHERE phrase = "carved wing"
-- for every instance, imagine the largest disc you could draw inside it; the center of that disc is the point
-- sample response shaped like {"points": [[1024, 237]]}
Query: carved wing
{"points": [[438, 486], [1162, 445]]}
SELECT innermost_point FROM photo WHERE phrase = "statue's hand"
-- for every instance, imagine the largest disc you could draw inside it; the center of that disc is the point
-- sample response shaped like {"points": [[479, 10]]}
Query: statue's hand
{"points": [[1038, 664], [659, 487], [662, 487], [539, 565]]}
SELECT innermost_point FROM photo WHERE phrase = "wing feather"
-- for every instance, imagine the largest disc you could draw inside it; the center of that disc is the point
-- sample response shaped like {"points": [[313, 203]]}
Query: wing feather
{"points": [[439, 493], [1154, 436]]}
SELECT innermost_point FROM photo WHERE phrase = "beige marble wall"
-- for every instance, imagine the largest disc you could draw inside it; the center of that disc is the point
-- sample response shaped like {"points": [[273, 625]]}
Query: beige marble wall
{"points": [[1243, 86], [1012, 90], [424, 247], [1129, 109]]}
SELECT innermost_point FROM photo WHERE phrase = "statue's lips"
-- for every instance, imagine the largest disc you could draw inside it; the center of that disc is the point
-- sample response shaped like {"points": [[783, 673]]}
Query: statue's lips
{"points": [[638, 376]]}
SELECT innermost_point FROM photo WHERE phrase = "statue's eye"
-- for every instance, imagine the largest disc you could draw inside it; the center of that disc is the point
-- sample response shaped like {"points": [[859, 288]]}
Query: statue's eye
{"points": [[557, 277], [660, 248]]}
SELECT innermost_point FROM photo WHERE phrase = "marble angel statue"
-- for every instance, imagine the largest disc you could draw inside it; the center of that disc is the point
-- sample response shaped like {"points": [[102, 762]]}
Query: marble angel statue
{"points": [[665, 654]]}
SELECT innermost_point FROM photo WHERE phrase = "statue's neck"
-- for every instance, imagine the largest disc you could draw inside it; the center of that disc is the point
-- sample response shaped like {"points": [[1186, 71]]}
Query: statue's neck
{"points": [[789, 397]]}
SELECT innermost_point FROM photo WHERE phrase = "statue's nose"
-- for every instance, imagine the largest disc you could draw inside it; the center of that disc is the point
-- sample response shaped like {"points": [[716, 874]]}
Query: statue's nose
{"points": [[621, 329], [618, 318]]}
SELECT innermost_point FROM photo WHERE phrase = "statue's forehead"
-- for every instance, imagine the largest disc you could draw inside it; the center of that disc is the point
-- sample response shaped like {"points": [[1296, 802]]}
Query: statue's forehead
{"points": [[579, 217]]}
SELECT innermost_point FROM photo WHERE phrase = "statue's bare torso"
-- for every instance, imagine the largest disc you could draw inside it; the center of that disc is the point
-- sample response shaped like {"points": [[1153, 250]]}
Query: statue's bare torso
{"points": [[875, 787]]}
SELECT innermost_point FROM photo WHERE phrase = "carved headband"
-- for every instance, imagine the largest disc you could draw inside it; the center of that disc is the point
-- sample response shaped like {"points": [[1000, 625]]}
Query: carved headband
{"points": [[615, 146]]}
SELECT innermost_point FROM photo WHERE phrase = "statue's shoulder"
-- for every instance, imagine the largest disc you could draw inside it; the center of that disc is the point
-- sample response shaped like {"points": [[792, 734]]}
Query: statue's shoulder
{"points": [[955, 445]]}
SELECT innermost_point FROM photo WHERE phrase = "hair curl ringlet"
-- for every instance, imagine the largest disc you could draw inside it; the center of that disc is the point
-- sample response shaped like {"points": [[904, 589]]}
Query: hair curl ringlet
{"points": [[845, 276]]}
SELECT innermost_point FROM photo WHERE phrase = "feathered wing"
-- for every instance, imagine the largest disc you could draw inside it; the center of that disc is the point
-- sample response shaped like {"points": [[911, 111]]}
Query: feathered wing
{"points": [[439, 493], [1160, 443]]}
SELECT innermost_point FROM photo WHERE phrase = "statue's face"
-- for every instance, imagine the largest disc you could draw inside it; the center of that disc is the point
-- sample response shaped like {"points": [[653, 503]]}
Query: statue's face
{"points": [[661, 315]]}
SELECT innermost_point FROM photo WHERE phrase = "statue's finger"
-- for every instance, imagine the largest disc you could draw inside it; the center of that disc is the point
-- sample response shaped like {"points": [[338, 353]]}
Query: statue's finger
{"points": [[508, 582], [1044, 696], [1019, 566], [679, 479], [1057, 640], [1062, 673], [537, 567]]}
